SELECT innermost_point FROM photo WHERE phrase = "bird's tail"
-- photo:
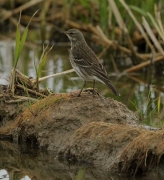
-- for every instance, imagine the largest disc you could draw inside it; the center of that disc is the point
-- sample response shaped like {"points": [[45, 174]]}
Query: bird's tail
{"points": [[112, 88]]}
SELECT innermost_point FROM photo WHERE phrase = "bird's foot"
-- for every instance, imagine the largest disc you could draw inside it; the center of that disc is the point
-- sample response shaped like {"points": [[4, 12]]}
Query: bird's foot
{"points": [[74, 94], [93, 91], [88, 90]]}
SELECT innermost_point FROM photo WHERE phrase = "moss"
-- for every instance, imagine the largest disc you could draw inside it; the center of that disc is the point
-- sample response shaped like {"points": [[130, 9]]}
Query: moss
{"points": [[45, 103]]}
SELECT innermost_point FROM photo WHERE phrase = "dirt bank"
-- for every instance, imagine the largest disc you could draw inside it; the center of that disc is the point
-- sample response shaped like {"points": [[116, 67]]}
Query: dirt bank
{"points": [[62, 114], [92, 129], [118, 148]]}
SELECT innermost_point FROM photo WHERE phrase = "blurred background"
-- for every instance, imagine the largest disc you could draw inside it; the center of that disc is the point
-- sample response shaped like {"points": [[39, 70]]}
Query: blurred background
{"points": [[126, 35]]}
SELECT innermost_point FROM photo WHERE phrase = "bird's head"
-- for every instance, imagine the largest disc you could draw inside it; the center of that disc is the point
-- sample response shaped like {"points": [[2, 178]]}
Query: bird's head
{"points": [[74, 35]]}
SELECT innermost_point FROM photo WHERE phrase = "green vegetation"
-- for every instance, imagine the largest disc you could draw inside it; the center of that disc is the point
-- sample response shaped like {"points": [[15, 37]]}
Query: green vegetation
{"points": [[81, 173], [104, 16], [96, 12], [151, 112], [19, 43], [41, 63], [18, 49]]}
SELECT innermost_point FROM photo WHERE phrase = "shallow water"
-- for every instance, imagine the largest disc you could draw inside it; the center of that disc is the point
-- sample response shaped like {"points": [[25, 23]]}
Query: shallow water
{"points": [[24, 163]]}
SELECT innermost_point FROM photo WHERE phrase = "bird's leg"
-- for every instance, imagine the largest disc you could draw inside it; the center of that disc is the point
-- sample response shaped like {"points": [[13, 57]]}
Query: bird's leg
{"points": [[95, 91], [93, 85], [82, 88]]}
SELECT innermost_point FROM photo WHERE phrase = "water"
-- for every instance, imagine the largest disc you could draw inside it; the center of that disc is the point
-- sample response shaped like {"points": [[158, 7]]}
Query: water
{"points": [[25, 163]]}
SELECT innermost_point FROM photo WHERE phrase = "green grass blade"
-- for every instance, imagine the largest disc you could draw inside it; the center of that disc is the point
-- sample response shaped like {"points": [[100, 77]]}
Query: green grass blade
{"points": [[39, 69], [41, 65], [16, 54], [134, 104], [139, 10], [22, 42], [85, 3], [159, 105], [42, 60]]}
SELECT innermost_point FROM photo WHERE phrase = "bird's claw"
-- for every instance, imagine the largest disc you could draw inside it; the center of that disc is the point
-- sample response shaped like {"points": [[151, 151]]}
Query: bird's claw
{"points": [[93, 91]]}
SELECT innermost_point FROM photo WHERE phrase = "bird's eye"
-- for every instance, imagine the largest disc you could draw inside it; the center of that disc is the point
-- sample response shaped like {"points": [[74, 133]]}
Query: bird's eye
{"points": [[71, 33]]}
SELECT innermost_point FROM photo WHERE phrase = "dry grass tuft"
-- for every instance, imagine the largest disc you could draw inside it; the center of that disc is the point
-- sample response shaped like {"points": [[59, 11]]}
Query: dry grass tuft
{"points": [[144, 151]]}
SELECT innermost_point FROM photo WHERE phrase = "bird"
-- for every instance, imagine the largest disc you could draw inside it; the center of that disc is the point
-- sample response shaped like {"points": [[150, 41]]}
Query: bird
{"points": [[85, 62]]}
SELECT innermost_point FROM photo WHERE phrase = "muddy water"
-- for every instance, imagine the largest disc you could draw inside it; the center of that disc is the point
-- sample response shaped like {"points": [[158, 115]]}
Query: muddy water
{"points": [[26, 163]]}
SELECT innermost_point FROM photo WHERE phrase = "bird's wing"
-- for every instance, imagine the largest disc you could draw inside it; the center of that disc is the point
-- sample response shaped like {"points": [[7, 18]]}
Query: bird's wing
{"points": [[89, 60], [100, 72], [83, 63], [84, 57]]}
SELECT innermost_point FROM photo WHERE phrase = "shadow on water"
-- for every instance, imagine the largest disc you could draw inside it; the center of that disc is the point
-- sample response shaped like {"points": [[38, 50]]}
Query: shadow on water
{"points": [[26, 163], [20, 162], [136, 91]]}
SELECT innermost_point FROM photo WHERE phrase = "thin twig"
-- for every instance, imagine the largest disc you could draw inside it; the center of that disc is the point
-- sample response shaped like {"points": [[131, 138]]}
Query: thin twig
{"points": [[103, 36], [26, 98], [152, 36], [117, 15], [161, 34], [114, 64], [27, 5], [53, 75], [30, 91], [137, 24], [141, 65], [21, 99], [122, 25]]}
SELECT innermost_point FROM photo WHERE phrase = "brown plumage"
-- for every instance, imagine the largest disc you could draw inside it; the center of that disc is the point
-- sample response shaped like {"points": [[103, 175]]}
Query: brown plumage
{"points": [[85, 62]]}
